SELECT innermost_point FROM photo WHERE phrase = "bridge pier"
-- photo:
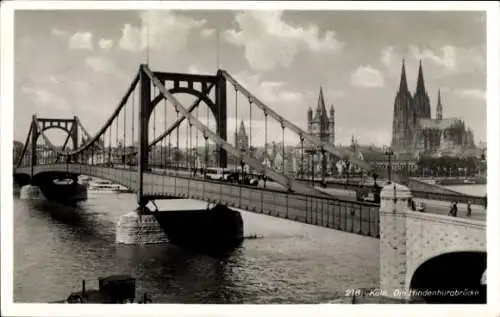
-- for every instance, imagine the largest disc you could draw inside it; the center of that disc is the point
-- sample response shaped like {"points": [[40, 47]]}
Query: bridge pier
{"points": [[139, 227], [394, 199], [31, 192], [207, 229]]}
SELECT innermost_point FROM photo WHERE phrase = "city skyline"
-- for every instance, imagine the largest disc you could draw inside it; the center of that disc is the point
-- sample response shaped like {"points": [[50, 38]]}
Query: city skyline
{"points": [[72, 74]]}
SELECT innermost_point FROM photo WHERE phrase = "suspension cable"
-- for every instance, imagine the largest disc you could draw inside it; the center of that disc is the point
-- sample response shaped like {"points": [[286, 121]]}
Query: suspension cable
{"points": [[250, 100], [301, 156], [154, 116], [124, 150], [236, 141], [265, 148], [197, 146], [162, 156], [283, 147], [132, 159], [177, 151], [187, 147], [109, 148]]}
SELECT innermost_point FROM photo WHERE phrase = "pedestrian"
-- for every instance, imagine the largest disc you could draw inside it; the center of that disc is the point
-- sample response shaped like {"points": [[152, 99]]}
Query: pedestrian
{"points": [[469, 209], [455, 209], [451, 210]]}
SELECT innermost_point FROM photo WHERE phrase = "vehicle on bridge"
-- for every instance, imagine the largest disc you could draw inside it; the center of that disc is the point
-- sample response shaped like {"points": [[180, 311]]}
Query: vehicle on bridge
{"points": [[370, 190], [245, 179], [217, 173]]}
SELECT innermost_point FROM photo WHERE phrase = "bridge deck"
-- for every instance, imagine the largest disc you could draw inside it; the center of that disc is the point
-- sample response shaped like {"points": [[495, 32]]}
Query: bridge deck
{"points": [[344, 215]]}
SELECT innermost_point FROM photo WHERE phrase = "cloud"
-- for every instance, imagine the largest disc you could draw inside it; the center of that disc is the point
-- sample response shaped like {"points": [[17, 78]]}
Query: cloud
{"points": [[105, 44], [272, 93], [165, 29], [57, 32], [367, 76], [269, 41], [476, 94], [207, 33], [42, 96], [102, 64], [387, 55], [81, 40], [452, 59]]}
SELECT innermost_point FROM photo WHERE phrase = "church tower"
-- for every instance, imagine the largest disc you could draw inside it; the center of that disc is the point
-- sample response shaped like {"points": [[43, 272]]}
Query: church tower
{"points": [[403, 112], [439, 108], [241, 138], [332, 125], [421, 101]]}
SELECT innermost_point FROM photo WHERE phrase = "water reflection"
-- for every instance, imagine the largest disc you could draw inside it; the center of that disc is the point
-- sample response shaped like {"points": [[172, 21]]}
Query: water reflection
{"points": [[58, 246]]}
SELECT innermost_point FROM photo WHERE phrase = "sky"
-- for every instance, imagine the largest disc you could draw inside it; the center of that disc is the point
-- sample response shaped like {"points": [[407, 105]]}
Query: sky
{"points": [[82, 62]]}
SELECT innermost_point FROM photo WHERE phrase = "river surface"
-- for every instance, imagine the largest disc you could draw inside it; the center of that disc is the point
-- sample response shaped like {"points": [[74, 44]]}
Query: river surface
{"points": [[55, 247], [475, 190]]}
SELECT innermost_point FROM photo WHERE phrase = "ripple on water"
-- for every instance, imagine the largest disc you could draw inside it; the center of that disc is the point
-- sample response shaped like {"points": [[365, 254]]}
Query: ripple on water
{"points": [[55, 247]]}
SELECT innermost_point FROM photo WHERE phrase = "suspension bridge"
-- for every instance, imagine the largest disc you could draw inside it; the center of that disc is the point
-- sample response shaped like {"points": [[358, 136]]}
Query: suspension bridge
{"points": [[140, 147]]}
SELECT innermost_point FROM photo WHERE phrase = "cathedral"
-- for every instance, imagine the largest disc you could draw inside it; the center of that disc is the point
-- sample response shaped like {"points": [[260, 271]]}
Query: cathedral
{"points": [[413, 129]]}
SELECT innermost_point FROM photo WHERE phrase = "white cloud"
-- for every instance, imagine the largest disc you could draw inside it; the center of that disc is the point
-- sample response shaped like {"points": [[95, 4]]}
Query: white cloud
{"points": [[105, 44], [44, 97], [477, 94], [57, 32], [387, 55], [101, 64], [207, 33], [53, 79], [452, 59], [367, 76], [81, 40], [271, 93], [164, 28], [269, 41]]}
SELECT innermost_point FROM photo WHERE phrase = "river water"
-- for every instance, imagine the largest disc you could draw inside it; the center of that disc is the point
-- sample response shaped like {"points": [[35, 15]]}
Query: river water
{"points": [[475, 190], [55, 247]]}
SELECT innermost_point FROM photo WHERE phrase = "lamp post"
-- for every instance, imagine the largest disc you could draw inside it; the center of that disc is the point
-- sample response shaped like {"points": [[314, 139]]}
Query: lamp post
{"points": [[311, 153], [347, 166], [389, 153]]}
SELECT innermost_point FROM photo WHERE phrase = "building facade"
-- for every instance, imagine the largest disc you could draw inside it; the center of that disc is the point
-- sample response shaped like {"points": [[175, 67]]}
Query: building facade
{"points": [[414, 130]]}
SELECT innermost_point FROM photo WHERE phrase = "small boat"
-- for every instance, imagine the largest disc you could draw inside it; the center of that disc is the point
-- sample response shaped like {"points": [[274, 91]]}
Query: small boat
{"points": [[253, 236], [106, 187], [114, 289]]}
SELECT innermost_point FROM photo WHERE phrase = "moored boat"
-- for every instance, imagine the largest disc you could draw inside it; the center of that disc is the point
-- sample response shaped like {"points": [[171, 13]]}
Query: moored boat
{"points": [[114, 289], [106, 187]]}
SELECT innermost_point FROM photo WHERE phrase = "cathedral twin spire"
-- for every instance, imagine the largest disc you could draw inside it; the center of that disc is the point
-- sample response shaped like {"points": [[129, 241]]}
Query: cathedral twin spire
{"points": [[403, 83], [421, 102]]}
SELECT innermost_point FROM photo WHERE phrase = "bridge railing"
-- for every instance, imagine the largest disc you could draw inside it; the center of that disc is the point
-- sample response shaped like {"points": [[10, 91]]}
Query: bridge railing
{"points": [[463, 199], [440, 196], [350, 216]]}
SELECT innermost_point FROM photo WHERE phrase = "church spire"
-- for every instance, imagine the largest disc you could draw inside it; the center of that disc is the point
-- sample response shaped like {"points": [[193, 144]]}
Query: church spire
{"points": [[321, 102], [403, 85], [420, 79], [439, 108]]}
